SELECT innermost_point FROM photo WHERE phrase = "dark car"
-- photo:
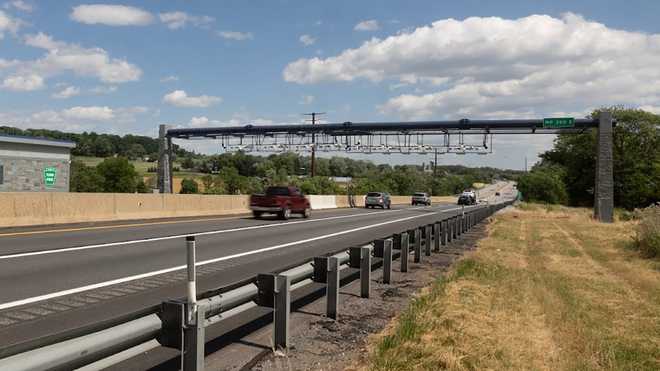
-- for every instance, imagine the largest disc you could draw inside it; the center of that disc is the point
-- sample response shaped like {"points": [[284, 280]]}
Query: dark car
{"points": [[377, 199], [467, 198], [281, 201]]}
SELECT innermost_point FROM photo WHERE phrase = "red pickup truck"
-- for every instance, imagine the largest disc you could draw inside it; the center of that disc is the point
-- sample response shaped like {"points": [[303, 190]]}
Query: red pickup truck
{"points": [[281, 201]]}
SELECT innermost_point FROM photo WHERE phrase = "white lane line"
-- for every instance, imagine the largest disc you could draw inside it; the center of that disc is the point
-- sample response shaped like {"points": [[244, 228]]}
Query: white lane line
{"points": [[204, 262], [122, 243]]}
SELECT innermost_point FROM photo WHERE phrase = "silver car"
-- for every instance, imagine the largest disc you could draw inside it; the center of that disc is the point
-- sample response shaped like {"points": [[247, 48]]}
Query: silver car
{"points": [[421, 198], [378, 199]]}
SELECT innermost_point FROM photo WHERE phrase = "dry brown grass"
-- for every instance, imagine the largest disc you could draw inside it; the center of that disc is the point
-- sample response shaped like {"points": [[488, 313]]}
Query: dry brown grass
{"points": [[549, 289]]}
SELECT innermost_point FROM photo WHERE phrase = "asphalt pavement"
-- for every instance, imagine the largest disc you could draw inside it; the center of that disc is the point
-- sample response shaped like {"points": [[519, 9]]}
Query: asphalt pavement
{"points": [[54, 280]]}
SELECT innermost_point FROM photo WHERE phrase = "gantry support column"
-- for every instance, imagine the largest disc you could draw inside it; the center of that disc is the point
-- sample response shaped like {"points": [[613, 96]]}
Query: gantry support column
{"points": [[164, 161], [604, 190]]}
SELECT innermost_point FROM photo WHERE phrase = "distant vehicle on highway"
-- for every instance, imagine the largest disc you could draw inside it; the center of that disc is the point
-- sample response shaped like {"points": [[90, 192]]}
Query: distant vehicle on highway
{"points": [[497, 193], [421, 198], [377, 199], [467, 198], [282, 201]]}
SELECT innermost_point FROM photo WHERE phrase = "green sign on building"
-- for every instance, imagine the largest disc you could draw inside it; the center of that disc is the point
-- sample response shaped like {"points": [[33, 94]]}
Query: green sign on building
{"points": [[558, 122], [50, 174]]}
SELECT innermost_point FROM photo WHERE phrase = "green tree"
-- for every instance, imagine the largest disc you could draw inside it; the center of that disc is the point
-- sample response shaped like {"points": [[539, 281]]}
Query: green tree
{"points": [[543, 185], [85, 178], [636, 152], [189, 186], [136, 151], [118, 174]]}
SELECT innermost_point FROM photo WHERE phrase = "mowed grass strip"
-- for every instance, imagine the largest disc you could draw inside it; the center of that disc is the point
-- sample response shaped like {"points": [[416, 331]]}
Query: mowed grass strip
{"points": [[548, 289]]}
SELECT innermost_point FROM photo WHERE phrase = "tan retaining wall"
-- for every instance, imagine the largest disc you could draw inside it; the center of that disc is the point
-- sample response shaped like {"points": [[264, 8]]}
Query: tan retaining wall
{"points": [[35, 208]]}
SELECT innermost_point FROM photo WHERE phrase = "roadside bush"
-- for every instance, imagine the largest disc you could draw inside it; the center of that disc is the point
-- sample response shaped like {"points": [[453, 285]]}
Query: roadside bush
{"points": [[543, 185], [647, 239], [189, 186]]}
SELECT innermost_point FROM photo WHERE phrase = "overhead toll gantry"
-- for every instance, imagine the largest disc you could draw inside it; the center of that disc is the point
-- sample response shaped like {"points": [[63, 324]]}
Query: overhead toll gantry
{"points": [[412, 137]]}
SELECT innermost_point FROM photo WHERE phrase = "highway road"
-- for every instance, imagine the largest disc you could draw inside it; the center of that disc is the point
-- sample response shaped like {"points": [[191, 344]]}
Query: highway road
{"points": [[55, 279]]}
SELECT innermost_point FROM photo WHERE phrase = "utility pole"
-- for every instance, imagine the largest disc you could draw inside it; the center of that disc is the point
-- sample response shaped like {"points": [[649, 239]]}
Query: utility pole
{"points": [[435, 163], [313, 121]]}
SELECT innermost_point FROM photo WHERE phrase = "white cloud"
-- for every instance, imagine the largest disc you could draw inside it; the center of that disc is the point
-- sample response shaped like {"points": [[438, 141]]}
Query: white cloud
{"points": [[111, 15], [169, 78], [479, 66], [103, 89], [23, 82], [180, 98], [236, 35], [8, 23], [176, 20], [81, 118], [20, 5], [370, 25], [93, 113], [63, 57], [306, 99], [307, 40], [68, 92], [43, 41]]}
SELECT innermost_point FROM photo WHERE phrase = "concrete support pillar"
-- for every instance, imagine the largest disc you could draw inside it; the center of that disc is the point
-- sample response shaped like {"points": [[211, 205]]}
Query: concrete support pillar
{"points": [[604, 190], [164, 161]]}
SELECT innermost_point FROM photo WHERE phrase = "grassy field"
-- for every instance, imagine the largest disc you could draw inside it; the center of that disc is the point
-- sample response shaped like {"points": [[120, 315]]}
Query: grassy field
{"points": [[140, 166], [548, 289]]}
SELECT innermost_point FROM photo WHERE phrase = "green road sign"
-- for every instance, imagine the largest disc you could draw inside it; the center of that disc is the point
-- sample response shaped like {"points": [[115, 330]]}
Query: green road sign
{"points": [[50, 174], [558, 122]]}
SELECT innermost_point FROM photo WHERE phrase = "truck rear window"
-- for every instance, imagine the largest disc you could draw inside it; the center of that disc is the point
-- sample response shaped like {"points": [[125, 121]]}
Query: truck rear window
{"points": [[277, 191]]}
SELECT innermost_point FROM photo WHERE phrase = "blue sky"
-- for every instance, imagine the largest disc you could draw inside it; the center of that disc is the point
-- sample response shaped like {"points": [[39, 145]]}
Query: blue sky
{"points": [[123, 67]]}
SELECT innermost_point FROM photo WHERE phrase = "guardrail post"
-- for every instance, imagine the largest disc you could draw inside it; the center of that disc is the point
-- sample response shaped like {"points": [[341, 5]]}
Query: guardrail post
{"points": [[429, 238], [459, 226], [417, 247], [387, 261], [405, 250], [454, 231], [332, 288], [281, 311], [274, 292], [436, 236], [365, 271], [443, 232], [192, 355]]}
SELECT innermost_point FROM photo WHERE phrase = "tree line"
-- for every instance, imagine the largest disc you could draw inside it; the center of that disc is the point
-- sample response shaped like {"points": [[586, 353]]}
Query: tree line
{"points": [[240, 173], [566, 173], [100, 145]]}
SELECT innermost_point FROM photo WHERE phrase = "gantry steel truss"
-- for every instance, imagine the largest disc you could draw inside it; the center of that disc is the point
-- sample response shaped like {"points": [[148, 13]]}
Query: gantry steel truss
{"points": [[414, 137]]}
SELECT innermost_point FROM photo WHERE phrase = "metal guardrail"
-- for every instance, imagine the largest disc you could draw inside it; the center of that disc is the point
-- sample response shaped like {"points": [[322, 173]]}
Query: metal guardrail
{"points": [[180, 323]]}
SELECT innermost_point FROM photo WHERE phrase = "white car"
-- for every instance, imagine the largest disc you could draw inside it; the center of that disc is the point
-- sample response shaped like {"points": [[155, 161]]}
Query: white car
{"points": [[421, 198]]}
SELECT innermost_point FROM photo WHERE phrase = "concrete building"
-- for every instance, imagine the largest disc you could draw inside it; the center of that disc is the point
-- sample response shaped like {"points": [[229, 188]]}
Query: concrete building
{"points": [[34, 164]]}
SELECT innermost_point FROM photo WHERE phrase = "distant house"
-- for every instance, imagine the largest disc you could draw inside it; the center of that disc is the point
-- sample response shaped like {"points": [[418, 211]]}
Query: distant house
{"points": [[30, 164], [341, 181]]}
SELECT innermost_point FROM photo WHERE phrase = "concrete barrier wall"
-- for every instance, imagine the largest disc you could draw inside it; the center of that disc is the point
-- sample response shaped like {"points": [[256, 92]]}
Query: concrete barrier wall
{"points": [[34, 208], [38, 208], [320, 202]]}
